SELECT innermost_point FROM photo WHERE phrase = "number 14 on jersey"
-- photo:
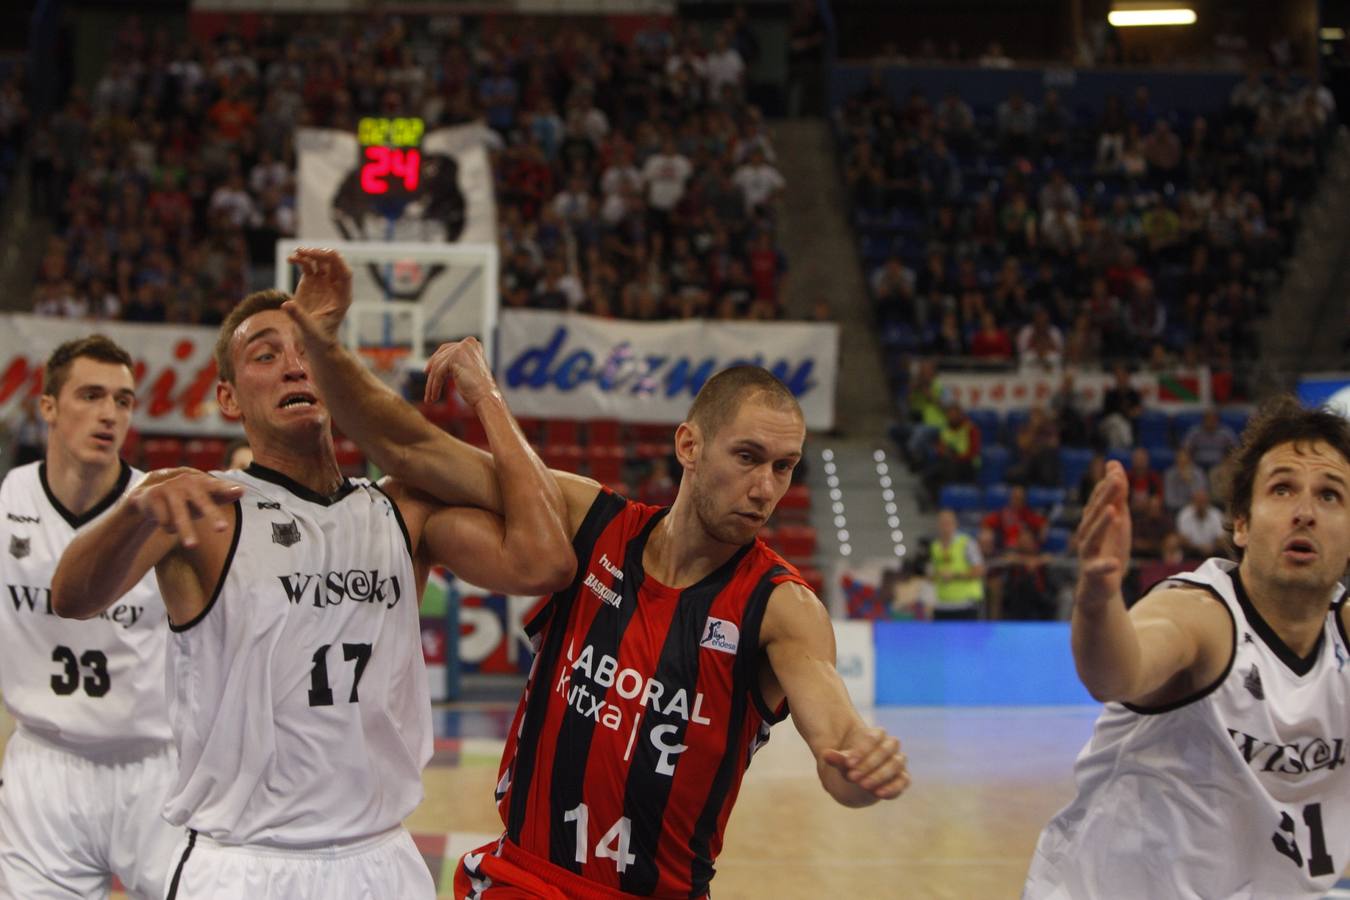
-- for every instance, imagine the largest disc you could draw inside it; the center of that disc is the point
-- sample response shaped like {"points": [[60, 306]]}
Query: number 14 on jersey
{"points": [[614, 845]]}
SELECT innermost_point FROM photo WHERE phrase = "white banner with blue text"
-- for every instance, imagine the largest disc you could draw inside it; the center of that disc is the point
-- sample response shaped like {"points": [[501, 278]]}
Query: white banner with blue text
{"points": [[554, 365]]}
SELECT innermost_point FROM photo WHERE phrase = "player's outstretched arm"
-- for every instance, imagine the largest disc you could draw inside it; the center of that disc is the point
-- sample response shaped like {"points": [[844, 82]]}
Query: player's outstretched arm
{"points": [[171, 509], [1167, 646], [392, 434], [857, 764]]}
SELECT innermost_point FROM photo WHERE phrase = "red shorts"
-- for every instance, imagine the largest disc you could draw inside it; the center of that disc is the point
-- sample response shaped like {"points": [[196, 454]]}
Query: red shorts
{"points": [[503, 871]]}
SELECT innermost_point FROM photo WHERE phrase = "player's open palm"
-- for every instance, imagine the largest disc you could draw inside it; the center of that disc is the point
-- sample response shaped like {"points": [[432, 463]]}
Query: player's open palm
{"points": [[463, 363], [324, 294], [1103, 538], [175, 499]]}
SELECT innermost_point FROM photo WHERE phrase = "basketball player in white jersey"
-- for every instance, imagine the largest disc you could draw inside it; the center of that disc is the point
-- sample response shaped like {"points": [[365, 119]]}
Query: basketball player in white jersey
{"points": [[298, 694], [1220, 766], [88, 768]]}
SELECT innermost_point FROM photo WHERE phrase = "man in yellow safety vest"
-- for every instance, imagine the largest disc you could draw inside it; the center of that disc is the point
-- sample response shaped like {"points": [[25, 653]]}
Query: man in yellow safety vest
{"points": [[956, 566]]}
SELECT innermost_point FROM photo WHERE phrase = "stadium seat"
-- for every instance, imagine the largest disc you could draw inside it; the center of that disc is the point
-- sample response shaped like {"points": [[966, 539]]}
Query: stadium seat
{"points": [[350, 459], [605, 463], [1056, 540], [796, 503], [994, 459], [205, 454], [1161, 458], [1073, 465], [565, 457], [1235, 419], [1120, 456], [1013, 422], [987, 421], [563, 431], [163, 453], [603, 433], [960, 497], [1183, 422], [1045, 497], [1153, 428], [996, 496], [796, 541]]}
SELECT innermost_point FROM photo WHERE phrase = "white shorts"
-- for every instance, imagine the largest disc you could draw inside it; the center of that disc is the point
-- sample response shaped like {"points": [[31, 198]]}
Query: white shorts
{"points": [[387, 866], [68, 823]]}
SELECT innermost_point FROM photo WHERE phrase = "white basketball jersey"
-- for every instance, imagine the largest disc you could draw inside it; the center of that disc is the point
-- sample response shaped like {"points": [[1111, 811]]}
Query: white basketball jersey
{"points": [[1240, 792], [299, 696], [93, 687]]}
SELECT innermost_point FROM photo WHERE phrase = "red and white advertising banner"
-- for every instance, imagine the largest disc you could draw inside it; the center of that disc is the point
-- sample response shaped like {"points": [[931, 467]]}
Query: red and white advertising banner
{"points": [[175, 370], [1185, 389]]}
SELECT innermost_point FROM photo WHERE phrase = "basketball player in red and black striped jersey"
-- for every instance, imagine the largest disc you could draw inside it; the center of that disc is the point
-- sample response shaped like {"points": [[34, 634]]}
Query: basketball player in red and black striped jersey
{"points": [[659, 671]]}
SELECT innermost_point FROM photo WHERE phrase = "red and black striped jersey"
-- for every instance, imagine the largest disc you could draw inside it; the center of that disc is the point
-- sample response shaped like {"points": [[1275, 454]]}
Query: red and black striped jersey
{"points": [[642, 711]]}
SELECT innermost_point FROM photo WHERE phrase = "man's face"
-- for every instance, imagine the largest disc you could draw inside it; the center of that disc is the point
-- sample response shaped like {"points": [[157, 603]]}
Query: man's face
{"points": [[89, 417], [271, 393], [946, 525], [1297, 533], [737, 477]]}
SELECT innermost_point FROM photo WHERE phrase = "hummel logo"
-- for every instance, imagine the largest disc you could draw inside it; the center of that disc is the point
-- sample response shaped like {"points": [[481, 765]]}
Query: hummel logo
{"points": [[22, 519], [265, 504]]}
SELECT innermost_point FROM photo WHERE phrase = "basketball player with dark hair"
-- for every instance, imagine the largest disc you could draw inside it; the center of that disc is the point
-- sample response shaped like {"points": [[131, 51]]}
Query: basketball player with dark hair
{"points": [[298, 692], [88, 768], [659, 670], [1220, 766]]}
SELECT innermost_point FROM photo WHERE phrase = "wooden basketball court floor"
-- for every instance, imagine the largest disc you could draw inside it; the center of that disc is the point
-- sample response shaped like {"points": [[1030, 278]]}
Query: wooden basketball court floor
{"points": [[985, 781]]}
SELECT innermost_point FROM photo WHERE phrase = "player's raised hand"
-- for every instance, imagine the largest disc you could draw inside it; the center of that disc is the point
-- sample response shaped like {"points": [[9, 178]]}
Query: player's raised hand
{"points": [[463, 363], [324, 294], [1103, 538], [174, 499], [871, 759]]}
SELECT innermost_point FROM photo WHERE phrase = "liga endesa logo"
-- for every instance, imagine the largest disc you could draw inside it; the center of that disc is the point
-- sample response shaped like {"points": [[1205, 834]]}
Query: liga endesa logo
{"points": [[181, 383]]}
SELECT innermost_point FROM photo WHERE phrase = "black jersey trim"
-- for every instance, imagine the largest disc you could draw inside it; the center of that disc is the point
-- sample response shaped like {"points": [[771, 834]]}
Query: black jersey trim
{"points": [[77, 521], [750, 661], [604, 508], [282, 480], [398, 515], [1299, 665], [182, 861], [1227, 670], [1338, 608], [224, 572], [702, 869], [647, 792]]}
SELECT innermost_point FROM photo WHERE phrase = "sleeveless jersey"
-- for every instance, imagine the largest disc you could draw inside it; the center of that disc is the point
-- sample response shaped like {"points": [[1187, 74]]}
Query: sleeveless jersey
{"points": [[93, 687], [1242, 791], [299, 696], [641, 713]]}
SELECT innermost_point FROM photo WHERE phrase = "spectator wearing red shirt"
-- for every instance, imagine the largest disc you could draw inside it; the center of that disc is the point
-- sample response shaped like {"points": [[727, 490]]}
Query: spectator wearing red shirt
{"points": [[232, 116], [991, 341], [767, 268], [1010, 521], [1144, 481]]}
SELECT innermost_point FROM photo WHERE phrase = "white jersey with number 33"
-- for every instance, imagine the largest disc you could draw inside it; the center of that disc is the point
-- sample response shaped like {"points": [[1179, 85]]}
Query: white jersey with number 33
{"points": [[92, 687], [1240, 792], [299, 697]]}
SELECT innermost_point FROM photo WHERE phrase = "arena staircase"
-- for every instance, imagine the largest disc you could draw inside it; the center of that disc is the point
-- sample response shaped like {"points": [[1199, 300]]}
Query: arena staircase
{"points": [[1296, 338], [823, 262], [849, 478]]}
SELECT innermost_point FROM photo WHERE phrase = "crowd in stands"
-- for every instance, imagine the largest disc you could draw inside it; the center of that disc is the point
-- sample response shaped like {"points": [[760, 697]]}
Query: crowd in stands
{"points": [[14, 116], [1038, 235], [1037, 238], [633, 178]]}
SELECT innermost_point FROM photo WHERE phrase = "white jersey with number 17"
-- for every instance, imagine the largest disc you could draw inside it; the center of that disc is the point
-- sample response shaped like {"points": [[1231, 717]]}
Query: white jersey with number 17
{"points": [[299, 696]]}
